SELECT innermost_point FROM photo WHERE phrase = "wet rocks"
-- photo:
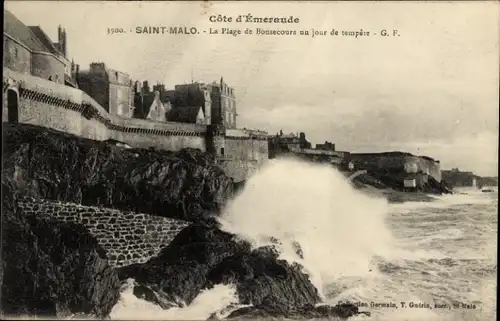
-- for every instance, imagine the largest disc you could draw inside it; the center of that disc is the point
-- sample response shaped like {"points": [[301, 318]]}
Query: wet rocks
{"points": [[202, 256], [52, 269], [42, 163]]}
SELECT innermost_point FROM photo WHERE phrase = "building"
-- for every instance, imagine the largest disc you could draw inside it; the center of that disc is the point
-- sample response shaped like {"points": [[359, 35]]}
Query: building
{"points": [[223, 104], [326, 146], [112, 89], [192, 96], [157, 110], [217, 99], [193, 115], [30, 51], [148, 104], [457, 178], [285, 143]]}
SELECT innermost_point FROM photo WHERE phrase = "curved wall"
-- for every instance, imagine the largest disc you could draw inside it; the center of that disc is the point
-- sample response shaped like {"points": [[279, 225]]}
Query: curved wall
{"points": [[47, 66]]}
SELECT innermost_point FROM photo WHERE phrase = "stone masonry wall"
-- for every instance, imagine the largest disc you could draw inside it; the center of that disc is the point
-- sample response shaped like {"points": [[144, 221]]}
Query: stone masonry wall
{"points": [[243, 156], [126, 237]]}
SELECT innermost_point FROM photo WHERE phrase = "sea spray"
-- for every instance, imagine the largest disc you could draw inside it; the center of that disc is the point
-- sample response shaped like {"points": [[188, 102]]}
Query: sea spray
{"points": [[216, 299], [339, 229]]}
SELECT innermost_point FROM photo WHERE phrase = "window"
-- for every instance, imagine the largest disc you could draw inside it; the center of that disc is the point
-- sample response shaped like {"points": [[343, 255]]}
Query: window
{"points": [[222, 151]]}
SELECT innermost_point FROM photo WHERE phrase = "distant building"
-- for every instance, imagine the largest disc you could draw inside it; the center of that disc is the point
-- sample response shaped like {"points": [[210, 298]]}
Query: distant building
{"points": [[30, 51], [193, 115], [457, 178], [112, 89], [326, 146], [284, 143]]}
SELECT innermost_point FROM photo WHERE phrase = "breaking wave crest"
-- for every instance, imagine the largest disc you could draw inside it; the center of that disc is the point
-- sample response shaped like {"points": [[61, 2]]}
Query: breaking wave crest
{"points": [[338, 228]]}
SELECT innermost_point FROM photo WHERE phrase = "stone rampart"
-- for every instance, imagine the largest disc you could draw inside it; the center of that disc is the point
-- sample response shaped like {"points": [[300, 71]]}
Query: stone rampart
{"points": [[244, 154], [45, 103], [126, 237], [322, 152], [48, 104]]}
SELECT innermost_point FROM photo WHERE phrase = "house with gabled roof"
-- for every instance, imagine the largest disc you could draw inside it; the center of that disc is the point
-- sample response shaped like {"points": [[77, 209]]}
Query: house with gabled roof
{"points": [[30, 51], [157, 110]]}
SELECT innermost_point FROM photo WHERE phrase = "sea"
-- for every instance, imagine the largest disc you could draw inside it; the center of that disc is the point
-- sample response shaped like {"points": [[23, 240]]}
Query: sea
{"points": [[432, 260]]}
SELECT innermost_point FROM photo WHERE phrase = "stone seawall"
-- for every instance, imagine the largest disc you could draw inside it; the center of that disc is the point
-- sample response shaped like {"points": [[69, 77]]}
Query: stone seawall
{"points": [[127, 237]]}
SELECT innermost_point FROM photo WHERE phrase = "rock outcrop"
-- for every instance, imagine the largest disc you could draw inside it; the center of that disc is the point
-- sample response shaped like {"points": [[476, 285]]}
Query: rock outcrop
{"points": [[52, 269], [181, 269], [203, 256], [260, 275], [394, 180], [42, 163]]}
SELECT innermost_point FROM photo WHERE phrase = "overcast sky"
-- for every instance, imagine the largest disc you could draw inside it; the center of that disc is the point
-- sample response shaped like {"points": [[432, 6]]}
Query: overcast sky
{"points": [[431, 91]]}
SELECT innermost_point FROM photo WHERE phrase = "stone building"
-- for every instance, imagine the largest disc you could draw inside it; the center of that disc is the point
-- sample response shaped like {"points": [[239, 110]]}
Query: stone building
{"points": [[193, 115], [457, 178], [112, 89], [326, 146], [30, 51], [223, 104], [150, 104], [192, 96], [217, 100], [157, 109]]}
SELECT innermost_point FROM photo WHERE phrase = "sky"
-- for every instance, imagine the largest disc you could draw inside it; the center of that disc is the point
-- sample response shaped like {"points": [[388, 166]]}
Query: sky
{"points": [[433, 90]]}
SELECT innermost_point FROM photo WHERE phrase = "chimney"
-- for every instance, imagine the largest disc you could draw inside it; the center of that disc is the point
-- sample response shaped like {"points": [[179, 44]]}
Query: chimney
{"points": [[145, 86], [61, 35]]}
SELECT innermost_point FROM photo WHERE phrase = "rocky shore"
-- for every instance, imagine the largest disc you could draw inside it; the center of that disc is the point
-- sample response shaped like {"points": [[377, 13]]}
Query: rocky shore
{"points": [[46, 164], [52, 268], [383, 180]]}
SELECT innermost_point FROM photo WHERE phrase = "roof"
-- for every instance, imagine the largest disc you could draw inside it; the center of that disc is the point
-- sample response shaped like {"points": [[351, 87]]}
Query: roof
{"points": [[69, 81], [19, 31], [184, 114], [44, 39]]}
